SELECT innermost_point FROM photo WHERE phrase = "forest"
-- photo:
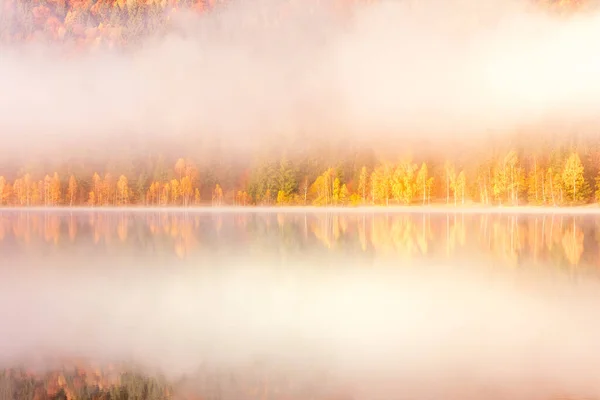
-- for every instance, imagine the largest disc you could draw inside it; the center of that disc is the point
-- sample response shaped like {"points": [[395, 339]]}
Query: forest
{"points": [[561, 178]]}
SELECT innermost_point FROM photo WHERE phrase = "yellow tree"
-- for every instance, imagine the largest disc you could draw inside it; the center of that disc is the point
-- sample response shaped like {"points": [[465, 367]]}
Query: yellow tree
{"points": [[18, 190], [430, 182], [7, 194], [397, 183], [36, 193], [535, 184], [499, 183], [344, 195], [323, 188], [483, 182], [363, 179], [421, 182], [153, 193], [461, 183], [96, 187], [450, 175], [281, 197], [217, 197], [55, 190], [175, 191], [552, 187], [45, 187], [191, 171], [28, 188], [336, 191], [92, 198], [381, 183], [320, 188], [513, 173], [165, 194], [71, 190], [574, 184], [186, 189], [108, 190], [122, 190], [408, 182]]}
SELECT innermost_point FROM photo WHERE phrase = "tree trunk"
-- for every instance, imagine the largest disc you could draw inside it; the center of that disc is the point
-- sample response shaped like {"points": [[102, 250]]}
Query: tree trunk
{"points": [[574, 189]]}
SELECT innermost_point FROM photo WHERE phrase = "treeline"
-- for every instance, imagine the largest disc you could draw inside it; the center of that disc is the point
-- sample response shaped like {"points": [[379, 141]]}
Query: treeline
{"points": [[119, 23], [559, 179]]}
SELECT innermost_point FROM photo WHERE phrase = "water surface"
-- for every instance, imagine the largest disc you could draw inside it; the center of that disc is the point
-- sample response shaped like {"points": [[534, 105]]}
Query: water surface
{"points": [[380, 302]]}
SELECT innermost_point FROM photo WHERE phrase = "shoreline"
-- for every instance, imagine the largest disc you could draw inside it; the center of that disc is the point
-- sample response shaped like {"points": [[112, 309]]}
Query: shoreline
{"points": [[591, 209]]}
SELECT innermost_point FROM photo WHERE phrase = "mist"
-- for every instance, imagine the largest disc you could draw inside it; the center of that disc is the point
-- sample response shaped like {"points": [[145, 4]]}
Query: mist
{"points": [[378, 330], [391, 72]]}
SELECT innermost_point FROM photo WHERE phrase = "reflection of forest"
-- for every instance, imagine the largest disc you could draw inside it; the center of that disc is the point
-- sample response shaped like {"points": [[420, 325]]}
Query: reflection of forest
{"points": [[113, 381], [510, 239]]}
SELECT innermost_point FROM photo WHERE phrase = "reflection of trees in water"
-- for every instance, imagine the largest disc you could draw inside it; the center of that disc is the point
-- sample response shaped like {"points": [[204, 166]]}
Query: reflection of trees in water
{"points": [[510, 239], [572, 242]]}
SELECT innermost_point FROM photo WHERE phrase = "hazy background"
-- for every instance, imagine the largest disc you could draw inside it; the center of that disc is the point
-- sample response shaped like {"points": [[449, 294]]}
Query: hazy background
{"points": [[392, 71]]}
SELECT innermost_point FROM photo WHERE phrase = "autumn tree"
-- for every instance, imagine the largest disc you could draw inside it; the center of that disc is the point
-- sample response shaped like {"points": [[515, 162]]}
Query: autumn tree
{"points": [[55, 190], [71, 190], [165, 194], [336, 191], [285, 181], [363, 180], [575, 187], [499, 182], [459, 186], [381, 183], [186, 190], [421, 183], [92, 199], [175, 191], [535, 184], [217, 196], [450, 177], [323, 187], [46, 188], [96, 188], [122, 191]]}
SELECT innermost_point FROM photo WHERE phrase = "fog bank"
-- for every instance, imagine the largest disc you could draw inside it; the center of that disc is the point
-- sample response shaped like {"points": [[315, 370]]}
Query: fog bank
{"points": [[451, 331], [395, 70]]}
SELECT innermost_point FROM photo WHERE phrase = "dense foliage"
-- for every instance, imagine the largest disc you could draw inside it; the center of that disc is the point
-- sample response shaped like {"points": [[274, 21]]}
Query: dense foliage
{"points": [[560, 178]]}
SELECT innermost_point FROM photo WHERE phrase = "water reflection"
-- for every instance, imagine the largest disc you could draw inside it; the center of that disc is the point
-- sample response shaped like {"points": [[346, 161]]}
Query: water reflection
{"points": [[569, 242]]}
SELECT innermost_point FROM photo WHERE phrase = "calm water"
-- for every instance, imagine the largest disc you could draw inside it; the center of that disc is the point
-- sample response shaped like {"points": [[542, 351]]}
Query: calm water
{"points": [[568, 243], [384, 303]]}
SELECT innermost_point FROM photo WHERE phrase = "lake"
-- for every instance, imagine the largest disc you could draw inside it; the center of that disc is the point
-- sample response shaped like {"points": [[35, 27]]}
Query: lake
{"points": [[380, 302]]}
